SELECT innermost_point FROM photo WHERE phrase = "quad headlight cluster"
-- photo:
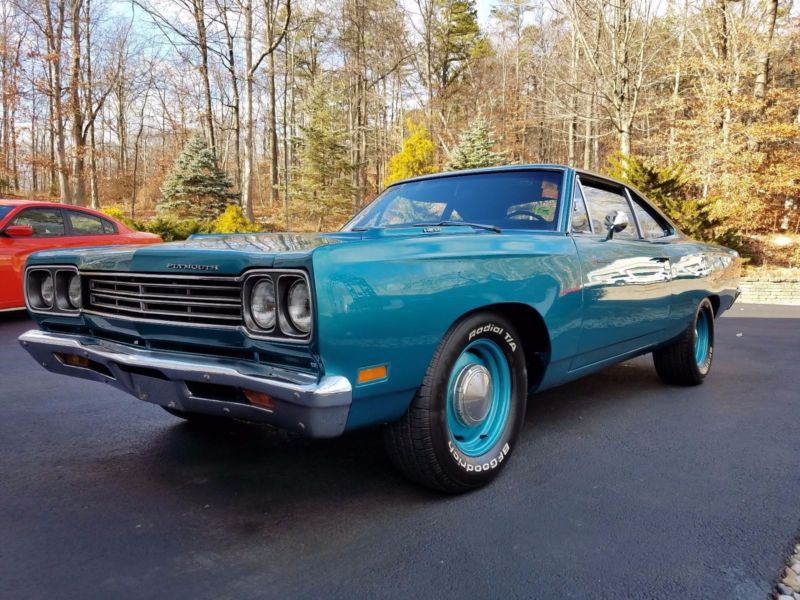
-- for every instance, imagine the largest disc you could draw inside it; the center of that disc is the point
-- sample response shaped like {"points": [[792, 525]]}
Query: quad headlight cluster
{"points": [[53, 290], [278, 304]]}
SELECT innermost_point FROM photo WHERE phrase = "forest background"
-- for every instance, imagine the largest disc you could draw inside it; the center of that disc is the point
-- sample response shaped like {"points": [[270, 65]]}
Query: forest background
{"points": [[299, 112]]}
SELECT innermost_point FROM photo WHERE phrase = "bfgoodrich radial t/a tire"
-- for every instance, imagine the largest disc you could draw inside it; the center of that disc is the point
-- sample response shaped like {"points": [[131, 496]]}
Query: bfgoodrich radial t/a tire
{"points": [[464, 421], [687, 360]]}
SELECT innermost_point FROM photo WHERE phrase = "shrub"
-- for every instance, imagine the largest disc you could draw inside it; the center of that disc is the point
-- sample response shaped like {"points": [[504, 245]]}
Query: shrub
{"points": [[417, 157], [234, 221], [116, 212], [173, 229]]}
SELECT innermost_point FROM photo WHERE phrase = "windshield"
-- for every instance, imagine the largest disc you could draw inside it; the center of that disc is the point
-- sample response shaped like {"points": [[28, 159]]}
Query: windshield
{"points": [[4, 210], [505, 199]]}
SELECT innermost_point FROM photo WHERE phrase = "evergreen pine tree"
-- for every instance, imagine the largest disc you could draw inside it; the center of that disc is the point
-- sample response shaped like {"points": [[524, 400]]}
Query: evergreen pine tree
{"points": [[474, 148], [417, 157], [195, 187], [323, 179], [666, 188]]}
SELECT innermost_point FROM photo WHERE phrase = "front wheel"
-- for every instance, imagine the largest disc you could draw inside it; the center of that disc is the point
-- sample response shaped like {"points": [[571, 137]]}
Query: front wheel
{"points": [[687, 360], [465, 418]]}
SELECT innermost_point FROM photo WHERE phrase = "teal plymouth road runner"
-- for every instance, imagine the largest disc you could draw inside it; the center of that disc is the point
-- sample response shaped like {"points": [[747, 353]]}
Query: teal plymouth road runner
{"points": [[434, 313]]}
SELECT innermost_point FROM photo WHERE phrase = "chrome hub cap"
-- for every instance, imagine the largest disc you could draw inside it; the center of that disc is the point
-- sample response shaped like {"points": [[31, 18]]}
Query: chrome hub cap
{"points": [[473, 394]]}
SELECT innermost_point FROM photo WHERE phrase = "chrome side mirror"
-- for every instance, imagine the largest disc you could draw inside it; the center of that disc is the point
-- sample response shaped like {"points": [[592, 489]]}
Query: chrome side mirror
{"points": [[615, 222]]}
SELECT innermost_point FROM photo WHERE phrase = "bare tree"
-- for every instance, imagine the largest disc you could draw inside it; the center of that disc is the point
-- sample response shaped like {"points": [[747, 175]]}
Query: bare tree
{"points": [[624, 57]]}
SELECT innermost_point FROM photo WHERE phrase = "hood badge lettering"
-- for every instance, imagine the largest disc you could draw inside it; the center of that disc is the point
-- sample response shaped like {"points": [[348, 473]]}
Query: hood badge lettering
{"points": [[187, 267]]}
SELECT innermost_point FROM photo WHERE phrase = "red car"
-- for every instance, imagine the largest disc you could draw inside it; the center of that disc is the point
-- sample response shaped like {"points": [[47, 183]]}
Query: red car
{"points": [[27, 226]]}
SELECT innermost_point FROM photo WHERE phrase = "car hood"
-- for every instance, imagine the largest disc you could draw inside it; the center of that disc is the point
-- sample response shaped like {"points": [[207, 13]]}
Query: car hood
{"points": [[229, 254], [210, 254]]}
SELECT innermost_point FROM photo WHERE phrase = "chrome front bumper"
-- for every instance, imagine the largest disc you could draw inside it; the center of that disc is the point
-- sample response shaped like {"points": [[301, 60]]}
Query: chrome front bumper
{"points": [[299, 402]]}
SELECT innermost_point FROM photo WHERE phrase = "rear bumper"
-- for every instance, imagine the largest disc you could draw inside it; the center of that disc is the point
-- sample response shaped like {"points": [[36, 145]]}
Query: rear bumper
{"points": [[299, 402]]}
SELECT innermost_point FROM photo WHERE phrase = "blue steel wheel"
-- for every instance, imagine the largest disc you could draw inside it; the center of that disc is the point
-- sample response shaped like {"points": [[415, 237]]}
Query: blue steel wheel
{"points": [[702, 338], [464, 421], [687, 360], [478, 397]]}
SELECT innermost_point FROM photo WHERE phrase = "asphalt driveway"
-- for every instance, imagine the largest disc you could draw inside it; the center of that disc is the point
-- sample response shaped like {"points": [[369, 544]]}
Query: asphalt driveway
{"points": [[620, 488]]}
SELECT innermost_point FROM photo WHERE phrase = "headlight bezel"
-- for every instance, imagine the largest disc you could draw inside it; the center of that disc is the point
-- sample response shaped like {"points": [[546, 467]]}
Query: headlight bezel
{"points": [[283, 330], [61, 276]]}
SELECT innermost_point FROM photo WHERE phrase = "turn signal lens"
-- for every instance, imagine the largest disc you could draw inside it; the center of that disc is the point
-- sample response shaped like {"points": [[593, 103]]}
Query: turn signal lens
{"points": [[369, 374], [73, 360], [259, 399]]}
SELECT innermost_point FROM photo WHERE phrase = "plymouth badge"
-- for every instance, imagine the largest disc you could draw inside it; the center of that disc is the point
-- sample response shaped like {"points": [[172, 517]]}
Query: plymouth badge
{"points": [[187, 267]]}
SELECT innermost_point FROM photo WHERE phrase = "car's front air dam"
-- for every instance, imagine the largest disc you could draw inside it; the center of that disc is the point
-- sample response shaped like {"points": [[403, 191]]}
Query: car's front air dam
{"points": [[317, 407]]}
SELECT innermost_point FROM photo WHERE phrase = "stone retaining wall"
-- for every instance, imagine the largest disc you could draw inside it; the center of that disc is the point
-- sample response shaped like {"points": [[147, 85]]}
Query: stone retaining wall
{"points": [[770, 292]]}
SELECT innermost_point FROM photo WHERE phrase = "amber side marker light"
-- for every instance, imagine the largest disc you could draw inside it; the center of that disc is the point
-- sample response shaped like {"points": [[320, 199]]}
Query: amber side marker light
{"points": [[73, 360], [259, 399], [370, 374]]}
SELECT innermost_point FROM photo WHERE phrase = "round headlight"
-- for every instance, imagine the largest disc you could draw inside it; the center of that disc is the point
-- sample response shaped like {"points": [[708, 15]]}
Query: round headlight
{"points": [[47, 290], [262, 304], [74, 291], [300, 306]]}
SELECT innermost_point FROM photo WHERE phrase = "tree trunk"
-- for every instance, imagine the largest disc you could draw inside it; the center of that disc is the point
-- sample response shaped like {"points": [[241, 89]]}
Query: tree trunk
{"points": [[95, 201], [136, 145], [274, 196], [236, 104], [676, 82], [202, 46], [587, 132], [572, 125], [76, 107], [247, 155]]}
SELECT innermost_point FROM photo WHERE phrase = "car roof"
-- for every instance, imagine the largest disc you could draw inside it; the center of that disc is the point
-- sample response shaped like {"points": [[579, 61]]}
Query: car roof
{"points": [[23, 202], [511, 168], [49, 204], [15, 202], [500, 169]]}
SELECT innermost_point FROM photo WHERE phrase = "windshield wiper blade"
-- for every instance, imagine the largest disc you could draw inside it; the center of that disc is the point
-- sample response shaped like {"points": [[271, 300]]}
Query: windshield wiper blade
{"points": [[494, 228]]}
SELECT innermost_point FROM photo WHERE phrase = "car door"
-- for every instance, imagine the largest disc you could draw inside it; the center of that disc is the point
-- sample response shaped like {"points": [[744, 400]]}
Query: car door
{"points": [[49, 231], [626, 278]]}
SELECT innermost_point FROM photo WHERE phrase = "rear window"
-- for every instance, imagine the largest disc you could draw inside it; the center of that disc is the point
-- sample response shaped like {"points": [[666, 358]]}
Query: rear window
{"points": [[109, 227], [85, 224]]}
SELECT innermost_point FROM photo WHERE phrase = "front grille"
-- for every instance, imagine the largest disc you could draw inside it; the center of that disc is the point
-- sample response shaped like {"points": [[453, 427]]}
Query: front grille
{"points": [[177, 299]]}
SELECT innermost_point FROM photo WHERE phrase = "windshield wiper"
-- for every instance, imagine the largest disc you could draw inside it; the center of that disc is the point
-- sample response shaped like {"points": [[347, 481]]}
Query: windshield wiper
{"points": [[494, 228]]}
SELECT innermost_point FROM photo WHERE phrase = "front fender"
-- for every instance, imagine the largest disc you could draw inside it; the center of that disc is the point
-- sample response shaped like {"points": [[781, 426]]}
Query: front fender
{"points": [[390, 302]]}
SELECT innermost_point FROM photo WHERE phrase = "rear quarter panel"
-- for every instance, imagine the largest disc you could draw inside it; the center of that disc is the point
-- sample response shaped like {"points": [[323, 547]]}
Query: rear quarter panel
{"points": [[701, 270]]}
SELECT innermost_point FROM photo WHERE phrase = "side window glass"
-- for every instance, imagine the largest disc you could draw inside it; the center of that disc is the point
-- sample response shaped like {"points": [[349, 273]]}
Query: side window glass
{"points": [[602, 201], [85, 224], [46, 222], [580, 218], [652, 225], [109, 227]]}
